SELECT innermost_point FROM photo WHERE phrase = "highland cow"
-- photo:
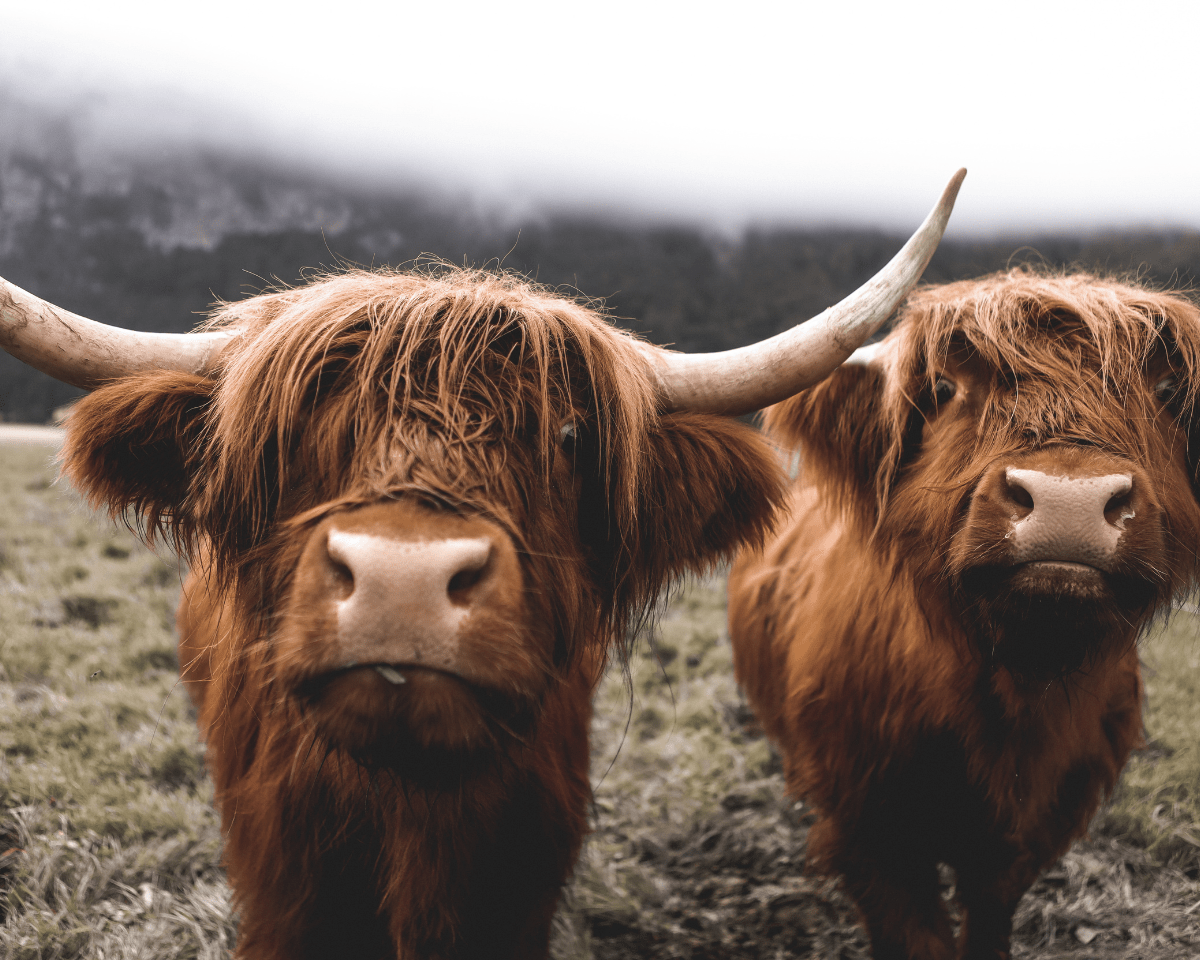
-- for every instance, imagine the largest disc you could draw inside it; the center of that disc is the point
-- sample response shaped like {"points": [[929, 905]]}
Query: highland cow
{"points": [[990, 509], [421, 512]]}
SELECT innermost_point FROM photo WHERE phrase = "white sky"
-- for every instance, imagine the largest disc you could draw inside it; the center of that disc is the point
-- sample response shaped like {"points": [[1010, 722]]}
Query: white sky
{"points": [[1067, 115]]}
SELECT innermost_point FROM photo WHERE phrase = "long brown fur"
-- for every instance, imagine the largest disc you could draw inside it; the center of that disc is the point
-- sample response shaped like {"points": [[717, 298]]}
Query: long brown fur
{"points": [[856, 633], [445, 391]]}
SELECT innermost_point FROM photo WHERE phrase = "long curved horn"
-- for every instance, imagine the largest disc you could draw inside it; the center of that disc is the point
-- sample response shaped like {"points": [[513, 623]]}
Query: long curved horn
{"points": [[85, 353], [749, 378]]}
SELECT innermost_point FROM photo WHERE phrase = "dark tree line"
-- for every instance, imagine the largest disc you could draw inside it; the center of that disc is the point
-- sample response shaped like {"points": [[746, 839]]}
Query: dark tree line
{"points": [[90, 252]]}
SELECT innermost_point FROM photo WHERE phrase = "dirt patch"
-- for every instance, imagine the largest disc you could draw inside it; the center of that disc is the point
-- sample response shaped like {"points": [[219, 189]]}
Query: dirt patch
{"points": [[732, 887]]}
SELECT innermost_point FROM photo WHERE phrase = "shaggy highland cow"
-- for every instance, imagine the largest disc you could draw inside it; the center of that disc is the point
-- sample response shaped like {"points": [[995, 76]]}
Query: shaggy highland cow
{"points": [[421, 511], [989, 510]]}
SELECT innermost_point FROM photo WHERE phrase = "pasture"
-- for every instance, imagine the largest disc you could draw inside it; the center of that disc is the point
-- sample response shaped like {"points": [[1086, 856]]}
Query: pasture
{"points": [[109, 846]]}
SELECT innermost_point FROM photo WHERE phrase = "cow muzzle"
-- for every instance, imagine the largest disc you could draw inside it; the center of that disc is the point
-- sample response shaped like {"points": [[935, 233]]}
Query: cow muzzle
{"points": [[407, 625], [1060, 516], [405, 602], [1058, 547], [1070, 521]]}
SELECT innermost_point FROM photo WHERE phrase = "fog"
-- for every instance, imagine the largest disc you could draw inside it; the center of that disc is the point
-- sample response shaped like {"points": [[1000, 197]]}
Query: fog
{"points": [[1069, 116]]}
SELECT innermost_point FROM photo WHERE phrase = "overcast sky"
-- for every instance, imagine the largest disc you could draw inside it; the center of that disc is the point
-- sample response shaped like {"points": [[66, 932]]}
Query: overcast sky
{"points": [[1067, 115]]}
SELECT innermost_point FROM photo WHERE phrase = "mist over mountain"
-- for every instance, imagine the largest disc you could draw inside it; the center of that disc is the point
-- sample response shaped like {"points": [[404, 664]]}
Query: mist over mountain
{"points": [[149, 238]]}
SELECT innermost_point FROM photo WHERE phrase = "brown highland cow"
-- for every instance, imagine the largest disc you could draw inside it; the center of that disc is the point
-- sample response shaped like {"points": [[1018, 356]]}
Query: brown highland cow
{"points": [[421, 510], [989, 511]]}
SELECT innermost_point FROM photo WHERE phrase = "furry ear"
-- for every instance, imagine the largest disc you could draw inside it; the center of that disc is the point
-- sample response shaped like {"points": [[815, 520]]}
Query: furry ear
{"points": [[132, 446], [712, 485], [841, 429]]}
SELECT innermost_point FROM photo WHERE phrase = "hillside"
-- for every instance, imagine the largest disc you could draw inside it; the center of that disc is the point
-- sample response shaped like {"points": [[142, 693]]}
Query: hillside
{"points": [[150, 240]]}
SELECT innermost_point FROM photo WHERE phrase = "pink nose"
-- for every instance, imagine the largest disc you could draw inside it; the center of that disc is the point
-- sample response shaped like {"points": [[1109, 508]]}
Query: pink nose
{"points": [[404, 601], [1073, 519]]}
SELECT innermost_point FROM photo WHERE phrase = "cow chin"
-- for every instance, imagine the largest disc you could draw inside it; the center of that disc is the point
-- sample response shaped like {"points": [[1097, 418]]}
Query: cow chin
{"points": [[1042, 621], [422, 723]]}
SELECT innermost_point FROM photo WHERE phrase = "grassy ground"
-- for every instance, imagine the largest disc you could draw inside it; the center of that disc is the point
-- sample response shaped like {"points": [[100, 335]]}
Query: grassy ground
{"points": [[109, 843], [109, 846]]}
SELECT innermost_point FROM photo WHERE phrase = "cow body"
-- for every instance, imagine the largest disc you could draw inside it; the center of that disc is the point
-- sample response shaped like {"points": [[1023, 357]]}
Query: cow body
{"points": [[421, 512], [942, 640]]}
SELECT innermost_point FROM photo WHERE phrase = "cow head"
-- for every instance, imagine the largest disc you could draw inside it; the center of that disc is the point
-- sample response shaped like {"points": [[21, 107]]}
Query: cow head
{"points": [[1019, 446], [429, 496]]}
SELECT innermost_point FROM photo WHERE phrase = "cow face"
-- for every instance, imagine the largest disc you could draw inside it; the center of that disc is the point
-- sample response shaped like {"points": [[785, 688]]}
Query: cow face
{"points": [[424, 505], [1058, 521], [1021, 448]]}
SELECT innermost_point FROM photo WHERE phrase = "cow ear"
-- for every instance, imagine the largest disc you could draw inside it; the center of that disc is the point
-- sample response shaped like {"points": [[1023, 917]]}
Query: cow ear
{"points": [[132, 447], [713, 485], [841, 431]]}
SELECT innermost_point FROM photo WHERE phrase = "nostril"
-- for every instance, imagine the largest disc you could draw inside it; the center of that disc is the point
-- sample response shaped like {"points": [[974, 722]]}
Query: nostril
{"points": [[1019, 495], [343, 579], [466, 579], [1120, 505], [341, 573]]}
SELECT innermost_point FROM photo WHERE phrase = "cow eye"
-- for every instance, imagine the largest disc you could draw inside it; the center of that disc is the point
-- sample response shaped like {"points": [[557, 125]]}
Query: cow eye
{"points": [[567, 436], [943, 390], [1166, 388]]}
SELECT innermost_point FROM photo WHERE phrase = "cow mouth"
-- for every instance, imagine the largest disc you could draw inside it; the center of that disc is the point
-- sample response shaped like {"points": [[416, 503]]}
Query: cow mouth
{"points": [[397, 674], [1059, 590], [1051, 579], [1060, 578], [1048, 618], [411, 716], [1063, 566]]}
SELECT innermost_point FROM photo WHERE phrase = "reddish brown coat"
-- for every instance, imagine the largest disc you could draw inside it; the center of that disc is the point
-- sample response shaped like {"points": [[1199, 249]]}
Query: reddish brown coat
{"points": [[935, 700], [437, 815]]}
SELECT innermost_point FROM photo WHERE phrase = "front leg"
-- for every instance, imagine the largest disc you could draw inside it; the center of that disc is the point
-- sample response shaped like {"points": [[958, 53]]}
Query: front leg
{"points": [[897, 892], [903, 912], [988, 899], [986, 931]]}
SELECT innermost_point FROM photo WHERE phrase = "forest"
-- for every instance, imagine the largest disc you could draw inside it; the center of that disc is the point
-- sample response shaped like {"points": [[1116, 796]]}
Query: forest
{"points": [[152, 244]]}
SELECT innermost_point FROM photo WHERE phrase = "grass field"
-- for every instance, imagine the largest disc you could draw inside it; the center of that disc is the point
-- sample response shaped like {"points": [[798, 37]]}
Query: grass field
{"points": [[109, 846]]}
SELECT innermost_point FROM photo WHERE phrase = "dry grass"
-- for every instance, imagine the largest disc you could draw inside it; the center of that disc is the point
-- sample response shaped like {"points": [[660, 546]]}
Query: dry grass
{"points": [[109, 846]]}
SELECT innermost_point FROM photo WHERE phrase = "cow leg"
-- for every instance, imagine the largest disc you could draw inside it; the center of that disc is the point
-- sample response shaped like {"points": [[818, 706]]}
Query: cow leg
{"points": [[988, 900], [986, 927], [902, 908]]}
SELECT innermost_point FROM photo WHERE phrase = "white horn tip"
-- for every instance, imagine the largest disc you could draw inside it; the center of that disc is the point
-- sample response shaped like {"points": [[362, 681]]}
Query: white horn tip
{"points": [[950, 194]]}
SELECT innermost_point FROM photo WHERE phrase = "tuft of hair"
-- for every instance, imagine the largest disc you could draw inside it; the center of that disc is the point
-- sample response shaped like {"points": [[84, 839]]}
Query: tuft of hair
{"points": [[1046, 324], [471, 354], [132, 451]]}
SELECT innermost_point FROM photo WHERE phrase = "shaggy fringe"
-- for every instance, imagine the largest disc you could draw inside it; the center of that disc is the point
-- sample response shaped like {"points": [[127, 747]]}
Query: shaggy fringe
{"points": [[422, 341]]}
